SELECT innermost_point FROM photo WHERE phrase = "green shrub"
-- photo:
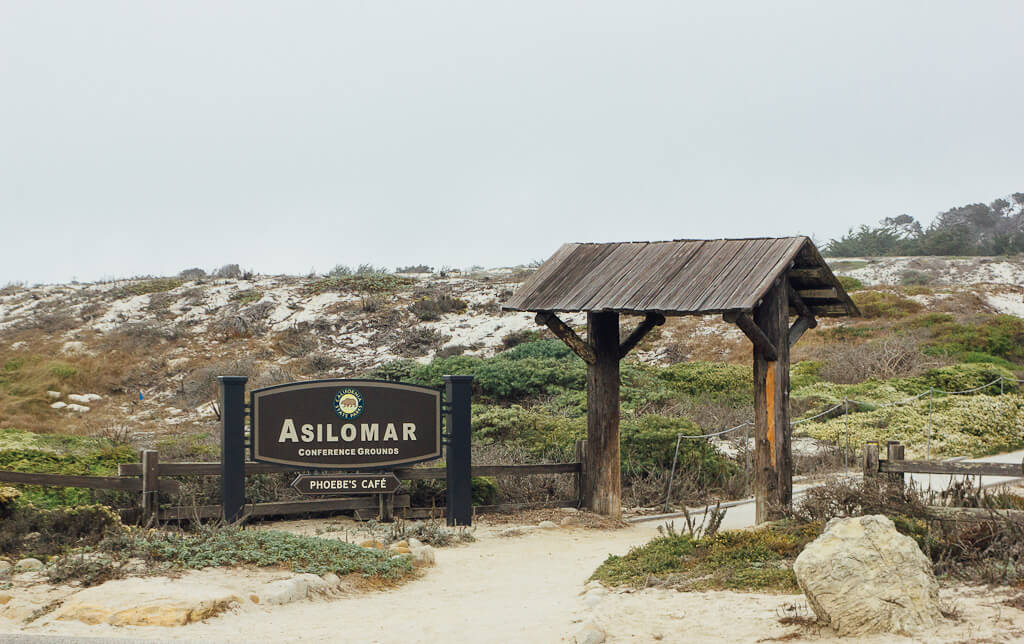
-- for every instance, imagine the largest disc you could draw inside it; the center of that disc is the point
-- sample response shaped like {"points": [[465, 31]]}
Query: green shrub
{"points": [[485, 490], [145, 287], [759, 559], [960, 425], [882, 304], [14, 364], [359, 283], [850, 283], [247, 296], [432, 305], [45, 532], [804, 373], [1001, 336], [63, 370], [234, 547], [713, 380], [519, 337], [101, 462], [960, 377]]}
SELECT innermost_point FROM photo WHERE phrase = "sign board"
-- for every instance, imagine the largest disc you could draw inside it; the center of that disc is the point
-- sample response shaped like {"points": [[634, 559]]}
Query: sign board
{"points": [[386, 483], [345, 424]]}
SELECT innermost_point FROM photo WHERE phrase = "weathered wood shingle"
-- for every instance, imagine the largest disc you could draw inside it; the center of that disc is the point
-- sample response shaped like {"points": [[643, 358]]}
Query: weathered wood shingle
{"points": [[683, 277]]}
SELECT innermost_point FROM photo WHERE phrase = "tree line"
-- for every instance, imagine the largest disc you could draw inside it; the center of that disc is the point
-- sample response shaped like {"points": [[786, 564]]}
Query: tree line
{"points": [[976, 229]]}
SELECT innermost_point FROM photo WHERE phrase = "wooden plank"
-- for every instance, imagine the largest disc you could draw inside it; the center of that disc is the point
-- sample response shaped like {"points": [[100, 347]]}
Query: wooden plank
{"points": [[818, 293], [773, 461], [537, 282], [807, 274], [89, 482], [790, 248], [745, 269], [895, 452], [150, 484], [595, 290], [577, 268], [603, 484], [648, 265], [281, 508], [830, 277], [565, 333], [650, 321], [761, 341], [404, 473], [796, 301], [1014, 470], [665, 275], [800, 326], [701, 272], [871, 460], [829, 310]]}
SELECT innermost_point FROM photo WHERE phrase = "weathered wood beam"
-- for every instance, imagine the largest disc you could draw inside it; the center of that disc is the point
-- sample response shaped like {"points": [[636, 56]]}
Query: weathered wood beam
{"points": [[830, 309], [563, 332], [602, 485], [650, 321], [754, 332], [807, 273], [799, 327], [818, 293], [797, 302]]}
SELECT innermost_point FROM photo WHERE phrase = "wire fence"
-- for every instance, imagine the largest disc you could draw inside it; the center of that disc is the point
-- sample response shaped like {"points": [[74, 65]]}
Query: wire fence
{"points": [[845, 406]]}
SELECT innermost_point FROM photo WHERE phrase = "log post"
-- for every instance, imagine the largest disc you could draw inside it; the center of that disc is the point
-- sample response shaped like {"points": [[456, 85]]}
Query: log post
{"points": [[581, 458], [895, 452], [773, 460], [150, 485], [603, 482], [870, 460], [386, 506]]}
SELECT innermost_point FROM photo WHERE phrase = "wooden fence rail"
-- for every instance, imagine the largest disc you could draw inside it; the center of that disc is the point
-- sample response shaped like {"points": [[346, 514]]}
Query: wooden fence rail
{"points": [[149, 477]]}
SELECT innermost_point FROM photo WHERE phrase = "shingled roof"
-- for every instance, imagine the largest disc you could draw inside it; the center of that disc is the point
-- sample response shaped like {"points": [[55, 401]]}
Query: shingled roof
{"points": [[682, 277]]}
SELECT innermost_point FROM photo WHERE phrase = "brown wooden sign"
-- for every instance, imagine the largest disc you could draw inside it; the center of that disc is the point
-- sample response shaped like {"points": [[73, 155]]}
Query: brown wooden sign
{"points": [[385, 483], [350, 424]]}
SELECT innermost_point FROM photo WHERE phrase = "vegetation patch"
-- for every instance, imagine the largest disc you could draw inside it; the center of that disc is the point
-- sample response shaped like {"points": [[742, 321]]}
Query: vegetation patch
{"points": [[248, 296], [431, 305], [145, 287], [359, 283], [754, 560], [883, 304]]}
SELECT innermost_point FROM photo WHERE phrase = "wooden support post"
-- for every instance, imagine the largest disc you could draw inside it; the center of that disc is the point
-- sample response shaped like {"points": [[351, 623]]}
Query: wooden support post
{"points": [[870, 460], [894, 452], [799, 327], [387, 507], [564, 332], [773, 460], [581, 458], [650, 321], [150, 485], [603, 483]]}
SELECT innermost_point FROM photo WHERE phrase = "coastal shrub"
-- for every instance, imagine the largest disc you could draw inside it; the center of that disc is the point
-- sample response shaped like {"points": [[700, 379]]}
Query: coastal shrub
{"points": [[714, 380], [99, 462], [960, 426], [759, 559], [30, 530], [1001, 336], [359, 283], [431, 305], [850, 284], [145, 287], [883, 304], [961, 377]]}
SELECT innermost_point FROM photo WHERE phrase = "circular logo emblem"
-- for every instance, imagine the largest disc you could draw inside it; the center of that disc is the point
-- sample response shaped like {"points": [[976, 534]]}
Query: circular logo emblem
{"points": [[348, 403]]}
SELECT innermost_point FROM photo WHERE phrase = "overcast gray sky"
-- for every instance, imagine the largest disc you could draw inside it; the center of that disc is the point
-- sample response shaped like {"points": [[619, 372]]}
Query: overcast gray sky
{"points": [[144, 137]]}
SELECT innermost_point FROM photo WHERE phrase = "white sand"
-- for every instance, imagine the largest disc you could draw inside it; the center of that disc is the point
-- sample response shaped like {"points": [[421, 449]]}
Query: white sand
{"points": [[528, 589]]}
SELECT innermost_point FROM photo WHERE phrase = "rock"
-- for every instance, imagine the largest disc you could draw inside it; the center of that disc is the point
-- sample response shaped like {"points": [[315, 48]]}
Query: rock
{"points": [[147, 602], [77, 408], [59, 405], [862, 576], [589, 634], [401, 551], [547, 525], [84, 398], [286, 591], [567, 521], [5, 567], [415, 543], [424, 556], [370, 543], [53, 394], [516, 531], [28, 565], [400, 544], [4, 598], [331, 579], [570, 510]]}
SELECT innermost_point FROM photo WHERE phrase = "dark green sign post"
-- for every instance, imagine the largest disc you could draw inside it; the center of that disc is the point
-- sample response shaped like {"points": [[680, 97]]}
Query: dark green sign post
{"points": [[458, 390], [232, 446]]}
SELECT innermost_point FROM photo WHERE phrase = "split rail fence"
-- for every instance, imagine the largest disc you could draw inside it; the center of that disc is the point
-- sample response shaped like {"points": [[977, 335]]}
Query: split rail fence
{"points": [[150, 478], [895, 468]]}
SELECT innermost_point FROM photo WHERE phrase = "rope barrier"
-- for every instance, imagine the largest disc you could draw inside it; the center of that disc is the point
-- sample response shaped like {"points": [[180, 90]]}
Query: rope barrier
{"points": [[846, 412]]}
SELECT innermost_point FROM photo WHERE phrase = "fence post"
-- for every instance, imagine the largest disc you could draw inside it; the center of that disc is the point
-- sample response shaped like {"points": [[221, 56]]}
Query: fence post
{"points": [[581, 458], [387, 507], [232, 446], [894, 452], [870, 460], [150, 485], [458, 458]]}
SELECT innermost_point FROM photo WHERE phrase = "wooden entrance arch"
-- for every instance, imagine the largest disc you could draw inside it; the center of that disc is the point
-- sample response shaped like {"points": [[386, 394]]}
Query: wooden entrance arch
{"points": [[757, 284]]}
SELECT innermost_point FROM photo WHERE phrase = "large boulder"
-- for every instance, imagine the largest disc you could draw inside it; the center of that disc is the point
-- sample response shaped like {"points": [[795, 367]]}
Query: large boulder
{"points": [[862, 576], [156, 601]]}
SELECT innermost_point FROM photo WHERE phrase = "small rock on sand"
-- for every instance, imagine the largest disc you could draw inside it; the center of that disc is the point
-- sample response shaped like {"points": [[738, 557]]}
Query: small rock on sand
{"points": [[589, 634], [5, 566], [147, 602], [29, 564], [547, 525]]}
